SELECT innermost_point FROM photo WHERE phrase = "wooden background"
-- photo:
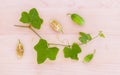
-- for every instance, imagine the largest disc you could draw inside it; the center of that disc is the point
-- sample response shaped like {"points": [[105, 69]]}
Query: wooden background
{"points": [[99, 15]]}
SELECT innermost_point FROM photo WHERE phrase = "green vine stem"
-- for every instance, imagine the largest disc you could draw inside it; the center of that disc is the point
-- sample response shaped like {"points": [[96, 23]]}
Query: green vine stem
{"points": [[30, 27]]}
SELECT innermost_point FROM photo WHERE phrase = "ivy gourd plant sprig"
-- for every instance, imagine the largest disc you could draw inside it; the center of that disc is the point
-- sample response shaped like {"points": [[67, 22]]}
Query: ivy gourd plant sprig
{"points": [[43, 49]]}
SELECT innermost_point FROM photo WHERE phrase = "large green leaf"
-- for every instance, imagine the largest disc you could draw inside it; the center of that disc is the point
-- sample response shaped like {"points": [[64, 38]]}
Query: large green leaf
{"points": [[44, 52], [72, 52], [32, 18]]}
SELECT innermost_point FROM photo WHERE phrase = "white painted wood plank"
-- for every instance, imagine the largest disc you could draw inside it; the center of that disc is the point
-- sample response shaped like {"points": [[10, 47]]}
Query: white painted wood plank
{"points": [[99, 15]]}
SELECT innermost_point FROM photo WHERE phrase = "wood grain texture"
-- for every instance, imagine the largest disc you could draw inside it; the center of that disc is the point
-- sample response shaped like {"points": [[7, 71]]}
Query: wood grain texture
{"points": [[99, 15]]}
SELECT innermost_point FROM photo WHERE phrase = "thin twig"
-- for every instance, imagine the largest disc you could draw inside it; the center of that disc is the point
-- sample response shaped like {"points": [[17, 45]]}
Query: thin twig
{"points": [[21, 26], [35, 32], [58, 44], [68, 14], [50, 43], [95, 37], [39, 35], [30, 29]]}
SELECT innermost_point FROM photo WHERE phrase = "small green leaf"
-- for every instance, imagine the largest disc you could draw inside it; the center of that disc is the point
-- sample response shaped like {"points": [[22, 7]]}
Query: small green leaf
{"points": [[67, 52], [52, 53], [35, 20], [101, 34], [84, 38], [72, 52], [44, 52], [89, 57], [25, 17], [77, 19], [32, 18]]}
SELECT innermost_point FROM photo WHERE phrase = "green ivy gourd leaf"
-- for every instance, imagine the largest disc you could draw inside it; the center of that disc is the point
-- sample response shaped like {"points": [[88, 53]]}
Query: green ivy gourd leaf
{"points": [[32, 18], [72, 52], [84, 38], [89, 57], [25, 17], [77, 19], [44, 52]]}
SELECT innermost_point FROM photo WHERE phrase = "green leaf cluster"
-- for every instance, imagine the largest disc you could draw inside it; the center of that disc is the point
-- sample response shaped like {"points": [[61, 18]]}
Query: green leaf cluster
{"points": [[44, 52], [72, 52], [84, 38], [32, 18]]}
